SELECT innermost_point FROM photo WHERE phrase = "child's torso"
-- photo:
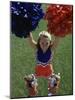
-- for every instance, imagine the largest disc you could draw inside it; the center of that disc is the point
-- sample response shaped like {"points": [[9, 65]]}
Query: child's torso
{"points": [[43, 58]]}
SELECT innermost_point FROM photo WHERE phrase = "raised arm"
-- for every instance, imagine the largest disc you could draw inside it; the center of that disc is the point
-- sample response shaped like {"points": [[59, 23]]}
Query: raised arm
{"points": [[32, 42]]}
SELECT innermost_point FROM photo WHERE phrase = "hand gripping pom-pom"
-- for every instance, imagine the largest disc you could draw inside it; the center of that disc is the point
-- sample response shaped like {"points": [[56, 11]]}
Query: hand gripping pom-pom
{"points": [[25, 17], [60, 19]]}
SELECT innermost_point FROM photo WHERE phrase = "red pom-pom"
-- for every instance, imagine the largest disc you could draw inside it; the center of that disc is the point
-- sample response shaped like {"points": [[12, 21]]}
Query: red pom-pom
{"points": [[60, 19]]}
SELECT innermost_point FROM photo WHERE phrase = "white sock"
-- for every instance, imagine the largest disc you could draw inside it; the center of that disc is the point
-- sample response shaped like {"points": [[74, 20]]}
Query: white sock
{"points": [[49, 94]]}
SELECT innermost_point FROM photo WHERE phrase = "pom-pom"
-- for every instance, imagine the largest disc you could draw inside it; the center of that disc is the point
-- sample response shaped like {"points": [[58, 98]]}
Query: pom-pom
{"points": [[25, 17], [60, 19]]}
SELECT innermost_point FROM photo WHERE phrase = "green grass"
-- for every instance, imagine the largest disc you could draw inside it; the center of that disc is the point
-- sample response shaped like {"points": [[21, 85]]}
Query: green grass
{"points": [[63, 63], [23, 62]]}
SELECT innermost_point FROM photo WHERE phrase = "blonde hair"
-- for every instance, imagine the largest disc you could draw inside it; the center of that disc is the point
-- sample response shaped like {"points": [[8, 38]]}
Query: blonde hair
{"points": [[45, 33]]}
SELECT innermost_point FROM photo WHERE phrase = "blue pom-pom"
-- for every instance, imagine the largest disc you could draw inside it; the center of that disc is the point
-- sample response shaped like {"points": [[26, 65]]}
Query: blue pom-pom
{"points": [[25, 17]]}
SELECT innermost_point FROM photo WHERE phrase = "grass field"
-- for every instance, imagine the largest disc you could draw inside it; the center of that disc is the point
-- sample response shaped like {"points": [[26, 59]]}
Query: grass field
{"points": [[23, 62]]}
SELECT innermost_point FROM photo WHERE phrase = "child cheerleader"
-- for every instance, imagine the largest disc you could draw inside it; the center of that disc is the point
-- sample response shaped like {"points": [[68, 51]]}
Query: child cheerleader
{"points": [[44, 54]]}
